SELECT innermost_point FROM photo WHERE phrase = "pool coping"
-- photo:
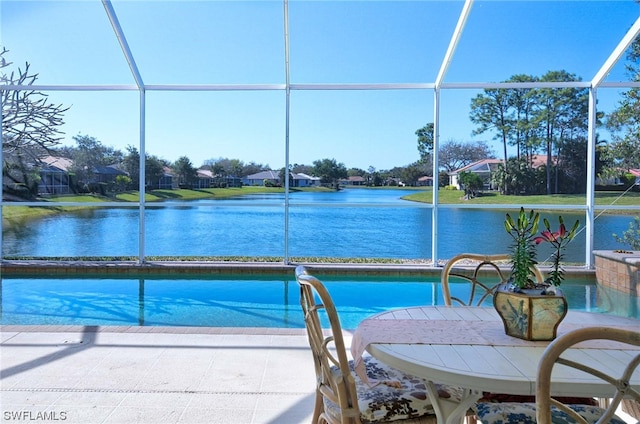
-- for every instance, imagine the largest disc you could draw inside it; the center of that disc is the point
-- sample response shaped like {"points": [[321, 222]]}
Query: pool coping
{"points": [[124, 268]]}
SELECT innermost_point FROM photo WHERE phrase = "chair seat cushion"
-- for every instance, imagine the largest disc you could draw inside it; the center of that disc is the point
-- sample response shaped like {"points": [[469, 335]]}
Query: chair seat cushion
{"points": [[506, 397], [384, 403], [525, 413]]}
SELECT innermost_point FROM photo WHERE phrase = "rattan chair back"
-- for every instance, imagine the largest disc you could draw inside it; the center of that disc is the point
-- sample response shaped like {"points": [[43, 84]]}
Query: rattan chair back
{"points": [[334, 380], [484, 272], [553, 354]]}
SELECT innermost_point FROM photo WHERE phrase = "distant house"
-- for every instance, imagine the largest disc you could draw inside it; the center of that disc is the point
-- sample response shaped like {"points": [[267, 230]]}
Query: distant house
{"points": [[259, 178], [54, 175], [541, 160], [304, 180], [166, 181], [393, 182], [483, 168], [354, 180], [425, 181], [619, 180], [204, 179], [233, 181], [106, 174]]}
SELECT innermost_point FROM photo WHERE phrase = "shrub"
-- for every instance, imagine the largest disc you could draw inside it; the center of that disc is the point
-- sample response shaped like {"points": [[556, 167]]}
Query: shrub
{"points": [[631, 237]]}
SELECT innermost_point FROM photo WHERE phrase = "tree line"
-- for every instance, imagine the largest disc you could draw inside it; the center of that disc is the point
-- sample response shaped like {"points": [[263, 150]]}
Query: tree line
{"points": [[548, 124], [547, 129]]}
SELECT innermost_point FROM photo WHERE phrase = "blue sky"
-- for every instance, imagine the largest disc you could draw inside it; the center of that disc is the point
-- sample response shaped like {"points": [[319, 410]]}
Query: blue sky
{"points": [[331, 42]]}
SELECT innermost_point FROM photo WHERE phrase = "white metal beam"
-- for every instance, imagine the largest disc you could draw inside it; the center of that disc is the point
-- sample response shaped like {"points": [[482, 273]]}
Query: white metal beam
{"points": [[616, 54], [287, 124], [591, 178], [323, 86], [115, 24], [457, 33]]}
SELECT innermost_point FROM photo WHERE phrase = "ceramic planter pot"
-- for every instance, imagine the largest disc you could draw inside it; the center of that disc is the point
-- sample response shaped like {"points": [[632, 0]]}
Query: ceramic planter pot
{"points": [[530, 315]]}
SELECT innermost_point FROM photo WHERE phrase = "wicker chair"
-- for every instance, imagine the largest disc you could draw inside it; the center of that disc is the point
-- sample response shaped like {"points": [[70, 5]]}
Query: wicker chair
{"points": [[479, 291], [469, 268], [547, 410], [341, 397]]}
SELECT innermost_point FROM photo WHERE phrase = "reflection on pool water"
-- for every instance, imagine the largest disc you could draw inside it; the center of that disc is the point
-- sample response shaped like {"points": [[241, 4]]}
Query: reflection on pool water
{"points": [[220, 302]]}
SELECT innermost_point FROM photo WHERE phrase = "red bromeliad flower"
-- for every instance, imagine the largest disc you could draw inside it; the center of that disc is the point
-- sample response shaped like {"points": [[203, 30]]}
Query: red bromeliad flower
{"points": [[559, 240], [555, 237]]}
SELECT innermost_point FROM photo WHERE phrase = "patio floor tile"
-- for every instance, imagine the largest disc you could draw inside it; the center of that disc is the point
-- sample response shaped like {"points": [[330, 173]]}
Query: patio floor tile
{"points": [[86, 376]]}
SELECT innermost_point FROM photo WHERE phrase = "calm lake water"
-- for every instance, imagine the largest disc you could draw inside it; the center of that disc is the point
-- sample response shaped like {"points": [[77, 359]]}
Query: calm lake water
{"points": [[335, 224]]}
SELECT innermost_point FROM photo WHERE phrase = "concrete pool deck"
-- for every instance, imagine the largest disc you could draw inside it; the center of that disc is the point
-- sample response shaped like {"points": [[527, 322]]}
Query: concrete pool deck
{"points": [[159, 375], [85, 375]]}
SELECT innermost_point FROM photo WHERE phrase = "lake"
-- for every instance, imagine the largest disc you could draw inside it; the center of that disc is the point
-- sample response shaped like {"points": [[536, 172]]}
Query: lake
{"points": [[351, 223]]}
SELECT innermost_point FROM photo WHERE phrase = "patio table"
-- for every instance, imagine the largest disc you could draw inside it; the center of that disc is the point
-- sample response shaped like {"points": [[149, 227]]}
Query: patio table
{"points": [[467, 347]]}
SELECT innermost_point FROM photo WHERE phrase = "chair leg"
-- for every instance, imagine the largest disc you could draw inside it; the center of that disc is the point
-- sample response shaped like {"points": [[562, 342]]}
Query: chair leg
{"points": [[603, 402], [318, 408], [631, 407]]}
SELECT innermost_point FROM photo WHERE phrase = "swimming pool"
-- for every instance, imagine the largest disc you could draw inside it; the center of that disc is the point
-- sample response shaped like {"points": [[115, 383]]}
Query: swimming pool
{"points": [[231, 301]]}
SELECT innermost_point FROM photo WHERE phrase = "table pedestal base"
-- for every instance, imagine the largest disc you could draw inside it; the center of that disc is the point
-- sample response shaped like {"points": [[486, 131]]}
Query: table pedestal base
{"points": [[450, 412]]}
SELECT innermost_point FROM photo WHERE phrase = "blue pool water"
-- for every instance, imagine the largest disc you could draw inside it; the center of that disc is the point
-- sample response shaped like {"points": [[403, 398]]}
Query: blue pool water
{"points": [[223, 302]]}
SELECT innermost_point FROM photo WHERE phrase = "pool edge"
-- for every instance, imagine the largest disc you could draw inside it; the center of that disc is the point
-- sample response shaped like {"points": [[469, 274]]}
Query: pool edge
{"points": [[124, 268]]}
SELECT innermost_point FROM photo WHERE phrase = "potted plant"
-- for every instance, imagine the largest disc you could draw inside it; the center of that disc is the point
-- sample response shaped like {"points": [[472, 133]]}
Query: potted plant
{"points": [[531, 307], [523, 252], [559, 240]]}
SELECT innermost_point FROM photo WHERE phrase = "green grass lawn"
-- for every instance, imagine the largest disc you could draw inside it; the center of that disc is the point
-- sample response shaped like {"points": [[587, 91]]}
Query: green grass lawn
{"points": [[17, 213], [494, 198], [206, 193]]}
